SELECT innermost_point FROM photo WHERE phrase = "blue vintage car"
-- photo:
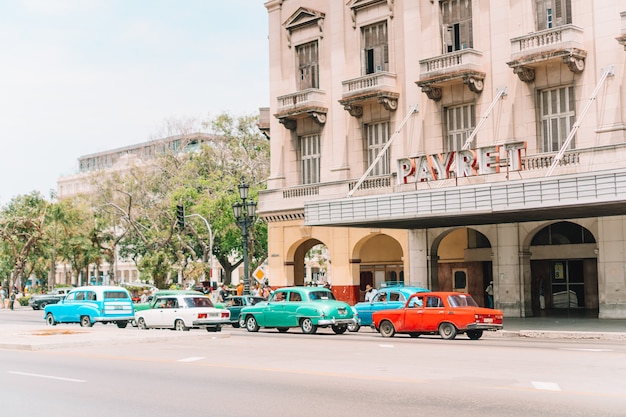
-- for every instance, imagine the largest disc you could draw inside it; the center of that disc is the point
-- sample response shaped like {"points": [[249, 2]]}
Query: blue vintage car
{"points": [[387, 298], [88, 305]]}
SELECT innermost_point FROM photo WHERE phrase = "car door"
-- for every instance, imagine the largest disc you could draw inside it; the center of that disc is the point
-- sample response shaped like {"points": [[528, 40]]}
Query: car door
{"points": [[163, 313], [414, 315], [434, 312], [294, 302], [274, 314]]}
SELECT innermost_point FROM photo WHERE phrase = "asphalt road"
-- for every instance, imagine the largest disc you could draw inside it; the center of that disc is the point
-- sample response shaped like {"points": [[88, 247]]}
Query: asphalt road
{"points": [[285, 375]]}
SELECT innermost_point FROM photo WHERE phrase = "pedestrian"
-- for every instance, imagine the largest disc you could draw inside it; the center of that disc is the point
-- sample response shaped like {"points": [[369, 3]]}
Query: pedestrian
{"points": [[144, 297], [222, 295], [240, 288], [489, 291], [12, 299], [370, 293]]}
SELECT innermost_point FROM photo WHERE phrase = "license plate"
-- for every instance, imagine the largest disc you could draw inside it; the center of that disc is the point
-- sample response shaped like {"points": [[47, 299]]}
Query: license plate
{"points": [[488, 320], [213, 314]]}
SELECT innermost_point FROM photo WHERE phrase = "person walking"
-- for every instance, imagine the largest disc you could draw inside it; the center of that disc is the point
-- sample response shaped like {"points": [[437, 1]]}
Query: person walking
{"points": [[489, 291], [12, 300]]}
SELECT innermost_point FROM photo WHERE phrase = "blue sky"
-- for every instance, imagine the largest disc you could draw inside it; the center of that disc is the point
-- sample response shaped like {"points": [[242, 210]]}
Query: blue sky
{"points": [[84, 76]]}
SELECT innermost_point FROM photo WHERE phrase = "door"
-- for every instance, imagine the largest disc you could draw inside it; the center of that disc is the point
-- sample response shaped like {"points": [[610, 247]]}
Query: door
{"points": [[567, 284]]}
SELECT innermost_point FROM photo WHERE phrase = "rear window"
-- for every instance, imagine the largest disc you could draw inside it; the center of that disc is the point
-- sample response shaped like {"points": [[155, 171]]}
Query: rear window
{"points": [[321, 295], [198, 302], [112, 295]]}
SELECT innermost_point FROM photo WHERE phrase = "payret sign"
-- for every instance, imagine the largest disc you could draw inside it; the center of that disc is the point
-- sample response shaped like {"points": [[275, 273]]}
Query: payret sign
{"points": [[464, 163]]}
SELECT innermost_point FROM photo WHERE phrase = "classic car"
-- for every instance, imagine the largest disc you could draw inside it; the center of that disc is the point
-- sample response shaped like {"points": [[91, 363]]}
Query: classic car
{"points": [[39, 301], [445, 313], [385, 299], [235, 303], [91, 304], [304, 307], [152, 298], [182, 312]]}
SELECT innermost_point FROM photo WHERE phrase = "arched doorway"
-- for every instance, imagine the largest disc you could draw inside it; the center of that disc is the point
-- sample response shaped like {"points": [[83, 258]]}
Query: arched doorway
{"points": [[564, 271], [464, 263], [380, 259], [311, 263]]}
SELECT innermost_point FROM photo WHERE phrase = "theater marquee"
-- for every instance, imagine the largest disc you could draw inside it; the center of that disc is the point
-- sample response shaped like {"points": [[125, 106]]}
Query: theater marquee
{"points": [[464, 163]]}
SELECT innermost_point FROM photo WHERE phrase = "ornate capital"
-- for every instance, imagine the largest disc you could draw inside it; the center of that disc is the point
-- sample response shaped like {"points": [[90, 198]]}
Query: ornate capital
{"points": [[525, 74], [474, 84], [575, 64], [319, 118], [389, 103]]}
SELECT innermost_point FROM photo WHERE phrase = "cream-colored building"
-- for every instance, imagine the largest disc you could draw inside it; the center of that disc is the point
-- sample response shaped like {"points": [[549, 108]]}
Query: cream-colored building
{"points": [[451, 143]]}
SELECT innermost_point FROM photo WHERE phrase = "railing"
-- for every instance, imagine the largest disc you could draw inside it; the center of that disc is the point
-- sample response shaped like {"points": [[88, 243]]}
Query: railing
{"points": [[375, 81], [465, 58], [302, 191], [303, 98], [373, 183], [566, 36], [545, 161]]}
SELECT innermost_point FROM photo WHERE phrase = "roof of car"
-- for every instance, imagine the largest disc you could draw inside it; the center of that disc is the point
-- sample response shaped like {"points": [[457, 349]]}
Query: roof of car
{"points": [[305, 289], [406, 290]]}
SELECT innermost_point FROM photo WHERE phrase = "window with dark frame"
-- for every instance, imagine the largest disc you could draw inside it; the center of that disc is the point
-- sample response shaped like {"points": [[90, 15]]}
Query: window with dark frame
{"points": [[308, 66], [457, 29], [375, 48], [553, 13]]}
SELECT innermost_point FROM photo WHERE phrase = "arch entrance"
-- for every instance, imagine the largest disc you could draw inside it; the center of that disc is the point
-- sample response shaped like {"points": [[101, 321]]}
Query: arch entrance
{"points": [[564, 271], [381, 262], [311, 263]]}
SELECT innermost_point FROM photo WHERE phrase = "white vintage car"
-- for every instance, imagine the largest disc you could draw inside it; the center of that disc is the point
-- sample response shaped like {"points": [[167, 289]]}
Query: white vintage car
{"points": [[182, 312]]}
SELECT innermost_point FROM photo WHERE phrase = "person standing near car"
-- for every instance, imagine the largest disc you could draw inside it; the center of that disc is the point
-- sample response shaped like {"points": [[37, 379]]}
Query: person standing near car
{"points": [[12, 300], [370, 293], [222, 295]]}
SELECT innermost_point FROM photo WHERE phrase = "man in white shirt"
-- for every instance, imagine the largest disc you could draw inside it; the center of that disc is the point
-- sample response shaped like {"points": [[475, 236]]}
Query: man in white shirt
{"points": [[370, 293]]}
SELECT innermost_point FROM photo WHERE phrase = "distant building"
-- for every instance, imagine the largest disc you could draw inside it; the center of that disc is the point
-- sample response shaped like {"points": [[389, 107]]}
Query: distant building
{"points": [[451, 143]]}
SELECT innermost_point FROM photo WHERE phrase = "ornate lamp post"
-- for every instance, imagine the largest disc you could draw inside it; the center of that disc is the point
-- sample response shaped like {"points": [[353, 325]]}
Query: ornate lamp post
{"points": [[244, 215]]}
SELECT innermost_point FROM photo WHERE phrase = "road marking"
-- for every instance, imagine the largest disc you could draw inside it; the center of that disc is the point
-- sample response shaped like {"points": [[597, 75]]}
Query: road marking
{"points": [[47, 376], [546, 386], [191, 359], [387, 346], [589, 350]]}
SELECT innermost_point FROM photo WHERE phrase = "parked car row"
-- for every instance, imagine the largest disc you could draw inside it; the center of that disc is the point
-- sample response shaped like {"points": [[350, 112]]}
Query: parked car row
{"points": [[395, 310]]}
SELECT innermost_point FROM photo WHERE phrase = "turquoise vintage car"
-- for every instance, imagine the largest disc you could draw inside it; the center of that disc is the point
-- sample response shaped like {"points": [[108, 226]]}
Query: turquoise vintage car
{"points": [[306, 307]]}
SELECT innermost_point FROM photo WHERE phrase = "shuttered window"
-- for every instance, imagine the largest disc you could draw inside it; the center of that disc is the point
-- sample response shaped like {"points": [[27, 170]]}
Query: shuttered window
{"points": [[457, 25], [460, 122], [553, 13], [377, 137], [557, 117], [308, 66], [310, 159], [375, 48]]}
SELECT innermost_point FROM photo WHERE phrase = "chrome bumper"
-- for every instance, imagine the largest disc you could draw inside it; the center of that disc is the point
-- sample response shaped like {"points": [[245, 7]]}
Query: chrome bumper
{"points": [[334, 321]]}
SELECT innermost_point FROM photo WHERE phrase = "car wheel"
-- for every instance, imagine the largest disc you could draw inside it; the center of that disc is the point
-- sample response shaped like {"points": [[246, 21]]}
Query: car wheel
{"points": [[474, 334], [447, 331], [307, 326], [85, 321], [141, 323], [251, 324], [242, 321], [50, 320], [179, 325], [387, 329], [122, 324], [353, 327], [283, 329], [339, 329], [42, 306]]}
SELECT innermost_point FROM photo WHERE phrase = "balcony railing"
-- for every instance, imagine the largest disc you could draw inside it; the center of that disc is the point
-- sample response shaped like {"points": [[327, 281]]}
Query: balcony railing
{"points": [[306, 98], [378, 81], [560, 37], [465, 59]]}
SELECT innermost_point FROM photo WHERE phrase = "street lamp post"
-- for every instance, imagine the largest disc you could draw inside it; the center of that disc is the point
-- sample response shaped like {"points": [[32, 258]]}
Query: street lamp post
{"points": [[244, 216]]}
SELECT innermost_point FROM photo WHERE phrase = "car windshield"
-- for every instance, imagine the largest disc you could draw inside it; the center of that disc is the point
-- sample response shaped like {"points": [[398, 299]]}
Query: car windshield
{"points": [[321, 295], [461, 300], [198, 302]]}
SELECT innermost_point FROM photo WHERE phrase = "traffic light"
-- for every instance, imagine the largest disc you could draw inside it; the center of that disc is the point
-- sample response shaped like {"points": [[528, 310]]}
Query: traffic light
{"points": [[180, 216]]}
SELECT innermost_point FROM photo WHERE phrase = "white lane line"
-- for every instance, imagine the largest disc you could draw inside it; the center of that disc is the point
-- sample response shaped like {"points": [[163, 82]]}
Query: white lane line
{"points": [[546, 386], [387, 346], [191, 359], [58, 378]]}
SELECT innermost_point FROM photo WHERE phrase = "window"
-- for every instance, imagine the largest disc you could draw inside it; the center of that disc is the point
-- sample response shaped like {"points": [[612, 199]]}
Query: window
{"points": [[556, 107], [375, 48], [308, 66], [457, 25], [377, 135], [310, 159], [460, 121], [552, 13]]}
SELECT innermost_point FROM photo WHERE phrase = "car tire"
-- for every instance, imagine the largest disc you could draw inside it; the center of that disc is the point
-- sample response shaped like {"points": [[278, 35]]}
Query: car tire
{"points": [[339, 328], [447, 331], [122, 324], [85, 321], [251, 324], [50, 320], [474, 334], [42, 306], [179, 325], [387, 329], [307, 326], [141, 324], [242, 322], [282, 329], [353, 327]]}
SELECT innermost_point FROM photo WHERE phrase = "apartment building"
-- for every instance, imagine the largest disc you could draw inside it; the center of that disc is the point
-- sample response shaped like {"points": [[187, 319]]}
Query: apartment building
{"points": [[449, 144]]}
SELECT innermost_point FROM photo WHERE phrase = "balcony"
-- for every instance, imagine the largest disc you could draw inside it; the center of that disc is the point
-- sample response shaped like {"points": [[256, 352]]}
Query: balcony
{"points": [[301, 104], [377, 87], [622, 38], [464, 66], [536, 49]]}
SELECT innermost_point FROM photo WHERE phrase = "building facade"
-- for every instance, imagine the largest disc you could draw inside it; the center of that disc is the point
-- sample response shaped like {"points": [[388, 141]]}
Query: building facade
{"points": [[450, 144]]}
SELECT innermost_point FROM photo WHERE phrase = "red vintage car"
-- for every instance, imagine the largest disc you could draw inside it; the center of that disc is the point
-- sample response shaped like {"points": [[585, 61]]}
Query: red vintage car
{"points": [[446, 313]]}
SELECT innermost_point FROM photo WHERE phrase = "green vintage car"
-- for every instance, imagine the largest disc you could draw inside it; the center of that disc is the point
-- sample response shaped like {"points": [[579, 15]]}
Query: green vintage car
{"points": [[304, 307]]}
